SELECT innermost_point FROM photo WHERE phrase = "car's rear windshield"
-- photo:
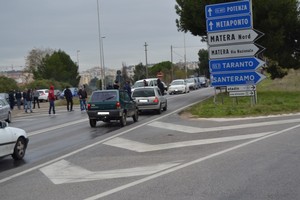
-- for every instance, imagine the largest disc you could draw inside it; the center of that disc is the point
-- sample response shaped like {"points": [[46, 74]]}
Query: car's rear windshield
{"points": [[104, 96], [177, 83], [145, 92], [138, 84]]}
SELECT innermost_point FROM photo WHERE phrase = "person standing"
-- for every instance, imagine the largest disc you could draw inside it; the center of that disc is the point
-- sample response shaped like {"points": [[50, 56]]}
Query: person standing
{"points": [[82, 98], [116, 85], [51, 99], [36, 95], [11, 98], [24, 99], [69, 97], [29, 98], [145, 83], [127, 87], [18, 98], [161, 86]]}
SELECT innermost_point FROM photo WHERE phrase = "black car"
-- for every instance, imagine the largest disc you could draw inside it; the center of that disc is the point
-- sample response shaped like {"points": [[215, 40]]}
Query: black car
{"points": [[107, 105]]}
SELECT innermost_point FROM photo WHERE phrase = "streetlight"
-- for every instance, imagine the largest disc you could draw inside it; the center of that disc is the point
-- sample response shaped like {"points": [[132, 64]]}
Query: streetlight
{"points": [[103, 64], [100, 47]]}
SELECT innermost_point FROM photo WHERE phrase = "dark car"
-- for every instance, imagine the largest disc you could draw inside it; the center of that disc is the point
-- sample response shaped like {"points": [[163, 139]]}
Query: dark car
{"points": [[107, 105]]}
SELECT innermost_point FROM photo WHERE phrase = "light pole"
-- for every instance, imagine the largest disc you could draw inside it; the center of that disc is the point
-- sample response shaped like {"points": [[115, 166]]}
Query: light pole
{"points": [[100, 46], [146, 59], [103, 63]]}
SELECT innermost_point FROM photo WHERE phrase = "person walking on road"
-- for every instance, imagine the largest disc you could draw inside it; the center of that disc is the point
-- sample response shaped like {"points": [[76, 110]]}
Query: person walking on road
{"points": [[36, 95], [29, 98], [161, 86], [69, 98], [127, 87], [11, 98], [24, 99], [82, 98], [51, 99]]}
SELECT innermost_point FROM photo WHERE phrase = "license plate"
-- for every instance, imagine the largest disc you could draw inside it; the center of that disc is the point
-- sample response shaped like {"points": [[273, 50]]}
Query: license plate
{"points": [[103, 113], [143, 100]]}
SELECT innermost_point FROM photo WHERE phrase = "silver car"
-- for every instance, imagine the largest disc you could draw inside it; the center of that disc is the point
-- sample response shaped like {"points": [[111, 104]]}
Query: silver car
{"points": [[150, 98], [5, 112]]}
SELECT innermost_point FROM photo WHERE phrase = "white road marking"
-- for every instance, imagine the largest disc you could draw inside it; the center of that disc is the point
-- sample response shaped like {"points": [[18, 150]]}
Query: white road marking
{"points": [[193, 162], [189, 129], [64, 172], [143, 147], [56, 127]]}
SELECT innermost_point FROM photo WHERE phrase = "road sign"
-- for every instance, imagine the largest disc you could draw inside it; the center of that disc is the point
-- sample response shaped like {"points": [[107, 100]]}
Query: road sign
{"points": [[242, 94], [235, 64], [241, 88], [231, 51], [225, 9], [229, 23], [233, 37], [238, 78]]}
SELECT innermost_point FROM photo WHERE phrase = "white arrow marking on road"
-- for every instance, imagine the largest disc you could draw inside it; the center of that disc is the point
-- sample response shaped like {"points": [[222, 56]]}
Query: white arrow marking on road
{"points": [[143, 147], [64, 172], [189, 129]]}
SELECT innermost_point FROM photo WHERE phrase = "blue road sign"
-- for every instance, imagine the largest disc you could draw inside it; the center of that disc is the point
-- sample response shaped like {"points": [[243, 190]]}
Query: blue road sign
{"points": [[238, 78], [229, 23], [226, 9], [235, 64]]}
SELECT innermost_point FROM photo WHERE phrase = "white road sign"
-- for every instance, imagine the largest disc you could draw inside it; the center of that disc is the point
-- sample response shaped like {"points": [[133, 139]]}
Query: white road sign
{"points": [[241, 88], [234, 51], [241, 93], [233, 37]]}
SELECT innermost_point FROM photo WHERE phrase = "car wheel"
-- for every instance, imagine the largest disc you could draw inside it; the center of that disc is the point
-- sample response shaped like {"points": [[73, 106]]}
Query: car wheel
{"points": [[19, 150], [135, 117], [159, 110], [8, 117], [123, 119], [166, 107], [93, 123]]}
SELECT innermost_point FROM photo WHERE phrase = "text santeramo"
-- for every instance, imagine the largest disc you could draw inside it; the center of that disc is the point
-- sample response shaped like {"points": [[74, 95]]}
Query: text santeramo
{"points": [[236, 78]]}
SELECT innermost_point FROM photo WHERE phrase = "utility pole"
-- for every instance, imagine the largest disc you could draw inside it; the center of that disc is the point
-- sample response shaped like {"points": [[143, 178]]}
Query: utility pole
{"points": [[146, 59], [172, 70], [185, 57]]}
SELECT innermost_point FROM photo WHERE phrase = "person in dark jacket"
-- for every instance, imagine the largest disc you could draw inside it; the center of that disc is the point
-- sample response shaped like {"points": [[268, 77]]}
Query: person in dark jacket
{"points": [[127, 88], [29, 98], [116, 85], [24, 99], [11, 98], [161, 86], [82, 98], [69, 97], [18, 98]]}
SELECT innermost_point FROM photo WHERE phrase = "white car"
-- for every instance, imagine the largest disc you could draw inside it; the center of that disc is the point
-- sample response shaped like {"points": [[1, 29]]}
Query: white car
{"points": [[43, 94], [13, 141], [178, 86]]}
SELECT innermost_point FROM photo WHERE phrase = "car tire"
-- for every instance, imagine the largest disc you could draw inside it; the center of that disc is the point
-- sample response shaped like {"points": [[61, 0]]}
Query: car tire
{"points": [[8, 120], [159, 110], [93, 123], [123, 119], [166, 107], [135, 117], [19, 150]]}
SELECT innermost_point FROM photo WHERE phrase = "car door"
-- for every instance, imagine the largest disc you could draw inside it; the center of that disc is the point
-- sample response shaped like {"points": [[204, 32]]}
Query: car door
{"points": [[129, 104], [6, 145]]}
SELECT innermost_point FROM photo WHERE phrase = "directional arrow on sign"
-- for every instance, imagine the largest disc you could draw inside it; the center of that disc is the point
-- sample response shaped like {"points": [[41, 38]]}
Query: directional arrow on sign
{"points": [[65, 172], [234, 37], [235, 64], [238, 78], [233, 51]]}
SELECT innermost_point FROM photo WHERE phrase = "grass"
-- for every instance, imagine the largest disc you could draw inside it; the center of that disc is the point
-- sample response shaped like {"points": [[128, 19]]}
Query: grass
{"points": [[279, 96]]}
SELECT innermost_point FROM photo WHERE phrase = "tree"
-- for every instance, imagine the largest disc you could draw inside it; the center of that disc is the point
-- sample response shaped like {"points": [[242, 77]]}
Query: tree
{"points": [[35, 58], [139, 72], [7, 84], [278, 19], [58, 66], [203, 63]]}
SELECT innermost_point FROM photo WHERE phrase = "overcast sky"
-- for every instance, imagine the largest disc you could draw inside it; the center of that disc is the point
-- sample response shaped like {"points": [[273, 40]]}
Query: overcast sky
{"points": [[72, 26]]}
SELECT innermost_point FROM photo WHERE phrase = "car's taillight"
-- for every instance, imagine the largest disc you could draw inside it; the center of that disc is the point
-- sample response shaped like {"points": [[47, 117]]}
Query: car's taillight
{"points": [[89, 106], [155, 100], [118, 105]]}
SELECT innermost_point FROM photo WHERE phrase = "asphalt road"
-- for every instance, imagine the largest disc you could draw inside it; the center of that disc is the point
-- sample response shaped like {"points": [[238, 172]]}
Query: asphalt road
{"points": [[161, 157]]}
